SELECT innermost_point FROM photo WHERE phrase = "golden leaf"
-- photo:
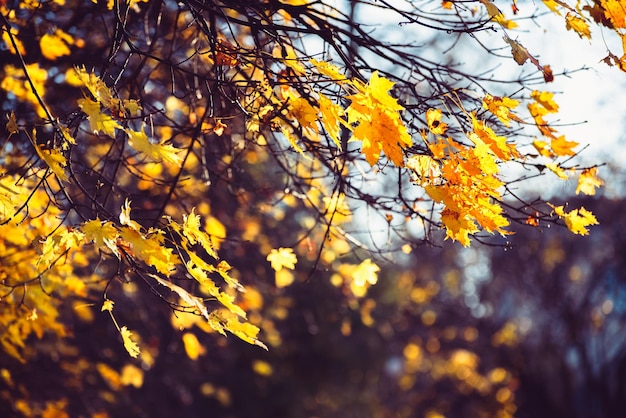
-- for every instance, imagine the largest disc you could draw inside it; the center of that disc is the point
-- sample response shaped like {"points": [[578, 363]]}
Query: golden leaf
{"points": [[53, 159], [433, 119], [556, 169], [578, 25], [129, 344], [155, 152], [107, 305], [577, 220], [245, 331], [102, 234], [282, 258], [588, 181], [98, 121], [563, 147]]}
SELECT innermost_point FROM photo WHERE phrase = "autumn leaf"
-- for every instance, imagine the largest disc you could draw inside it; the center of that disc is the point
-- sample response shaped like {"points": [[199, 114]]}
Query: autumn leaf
{"points": [[107, 305], [191, 300], [59, 243], [329, 70], [615, 12], [502, 108], [12, 126], [287, 54], [497, 15], [578, 25], [577, 220], [520, 54], [588, 181], [98, 121], [155, 152], [125, 216], [563, 147], [103, 234], [191, 230], [53, 159], [556, 169], [129, 344], [378, 123], [433, 120], [282, 258], [245, 331], [458, 226], [546, 100], [332, 117], [151, 249]]}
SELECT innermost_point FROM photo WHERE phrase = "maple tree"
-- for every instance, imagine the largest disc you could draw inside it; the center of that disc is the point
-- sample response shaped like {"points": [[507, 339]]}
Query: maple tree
{"points": [[188, 151]]}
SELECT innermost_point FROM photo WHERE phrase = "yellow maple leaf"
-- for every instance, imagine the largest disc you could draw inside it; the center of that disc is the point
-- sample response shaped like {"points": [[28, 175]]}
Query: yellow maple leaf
{"points": [[191, 230], [543, 148], [151, 249], [577, 220], [545, 99], [98, 121], [53, 159], [102, 234], [563, 147], [56, 44], [458, 227], [425, 167], [98, 89], [9, 196], [379, 125], [59, 243], [501, 107], [107, 305], [433, 120], [282, 258], [556, 169], [191, 300], [498, 145], [129, 344], [329, 70], [156, 152], [552, 5], [578, 25], [125, 216], [615, 12], [588, 181], [245, 331]]}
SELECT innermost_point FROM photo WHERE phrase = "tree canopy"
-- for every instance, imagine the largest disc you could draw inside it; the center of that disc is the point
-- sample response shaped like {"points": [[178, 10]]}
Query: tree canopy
{"points": [[189, 168]]}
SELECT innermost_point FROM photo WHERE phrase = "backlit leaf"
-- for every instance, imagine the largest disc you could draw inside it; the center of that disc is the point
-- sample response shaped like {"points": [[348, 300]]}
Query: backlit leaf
{"points": [[282, 258], [155, 152], [129, 344], [577, 220], [589, 181]]}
